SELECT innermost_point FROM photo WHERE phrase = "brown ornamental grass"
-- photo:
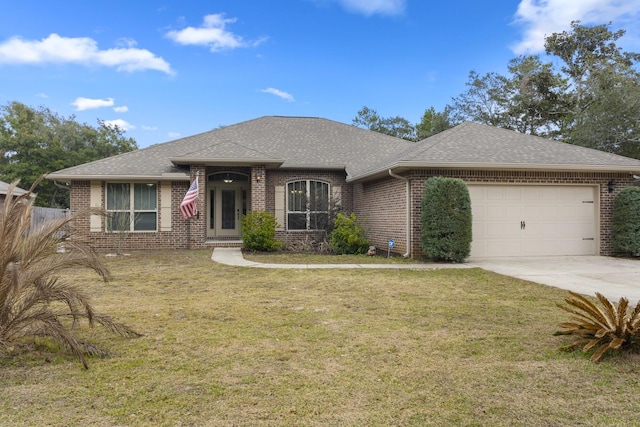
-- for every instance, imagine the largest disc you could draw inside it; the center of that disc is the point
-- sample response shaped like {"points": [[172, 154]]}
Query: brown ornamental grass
{"points": [[37, 305]]}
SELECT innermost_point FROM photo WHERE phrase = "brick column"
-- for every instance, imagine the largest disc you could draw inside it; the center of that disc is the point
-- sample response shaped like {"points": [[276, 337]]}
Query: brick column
{"points": [[258, 188], [198, 223]]}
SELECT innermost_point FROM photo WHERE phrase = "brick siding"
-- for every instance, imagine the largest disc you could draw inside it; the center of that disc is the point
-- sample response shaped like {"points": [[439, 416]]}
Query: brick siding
{"points": [[380, 205], [382, 202]]}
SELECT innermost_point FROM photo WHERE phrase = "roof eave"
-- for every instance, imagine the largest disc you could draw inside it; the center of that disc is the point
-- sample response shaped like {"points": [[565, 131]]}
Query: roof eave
{"points": [[272, 162], [400, 167], [314, 166], [162, 177]]}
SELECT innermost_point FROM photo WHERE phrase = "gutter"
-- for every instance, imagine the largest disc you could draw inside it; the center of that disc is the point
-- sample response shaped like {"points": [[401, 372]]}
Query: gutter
{"points": [[408, 205], [407, 165]]}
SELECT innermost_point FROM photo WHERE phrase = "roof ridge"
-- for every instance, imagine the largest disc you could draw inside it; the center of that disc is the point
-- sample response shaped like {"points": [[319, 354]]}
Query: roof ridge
{"points": [[436, 139]]}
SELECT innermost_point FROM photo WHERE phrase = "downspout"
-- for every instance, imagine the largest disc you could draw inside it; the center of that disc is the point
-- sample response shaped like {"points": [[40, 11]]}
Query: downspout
{"points": [[408, 204]]}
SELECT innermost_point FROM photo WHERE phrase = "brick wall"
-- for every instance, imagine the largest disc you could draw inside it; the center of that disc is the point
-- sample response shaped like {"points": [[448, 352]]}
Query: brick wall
{"points": [[381, 206], [177, 238], [382, 202], [191, 233], [300, 238]]}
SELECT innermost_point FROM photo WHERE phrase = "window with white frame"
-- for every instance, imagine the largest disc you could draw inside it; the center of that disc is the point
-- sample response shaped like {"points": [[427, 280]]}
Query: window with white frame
{"points": [[307, 205], [132, 206]]}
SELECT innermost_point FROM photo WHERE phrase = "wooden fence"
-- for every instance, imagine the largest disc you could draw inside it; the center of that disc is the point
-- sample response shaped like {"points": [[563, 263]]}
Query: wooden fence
{"points": [[41, 215]]}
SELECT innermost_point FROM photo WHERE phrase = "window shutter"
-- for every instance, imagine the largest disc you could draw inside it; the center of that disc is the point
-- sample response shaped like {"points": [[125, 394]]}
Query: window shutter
{"points": [[165, 206], [280, 205], [95, 201], [336, 196]]}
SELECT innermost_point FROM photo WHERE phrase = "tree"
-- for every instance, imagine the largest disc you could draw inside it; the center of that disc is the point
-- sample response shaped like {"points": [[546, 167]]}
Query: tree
{"points": [[34, 142], [484, 100], [35, 302], [593, 100], [530, 99], [535, 97], [393, 126], [605, 88], [433, 122]]}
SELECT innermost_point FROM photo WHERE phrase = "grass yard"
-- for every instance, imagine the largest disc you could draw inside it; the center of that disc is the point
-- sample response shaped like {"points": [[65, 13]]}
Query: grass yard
{"points": [[229, 346]]}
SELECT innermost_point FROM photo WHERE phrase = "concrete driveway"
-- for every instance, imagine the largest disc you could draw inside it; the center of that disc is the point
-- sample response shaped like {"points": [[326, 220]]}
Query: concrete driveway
{"points": [[612, 277]]}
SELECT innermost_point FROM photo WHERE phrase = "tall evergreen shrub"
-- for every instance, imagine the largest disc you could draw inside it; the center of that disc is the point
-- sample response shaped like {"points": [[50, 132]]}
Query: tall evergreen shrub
{"points": [[625, 222], [446, 219]]}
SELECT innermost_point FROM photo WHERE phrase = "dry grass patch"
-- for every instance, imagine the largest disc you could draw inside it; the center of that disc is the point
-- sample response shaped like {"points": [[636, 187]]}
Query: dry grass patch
{"points": [[228, 346]]}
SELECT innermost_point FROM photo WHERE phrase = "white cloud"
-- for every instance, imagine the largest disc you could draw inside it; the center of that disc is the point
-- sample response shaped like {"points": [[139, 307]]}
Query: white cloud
{"points": [[121, 124], [82, 104], [541, 18], [173, 134], [213, 34], [42, 95], [372, 7], [148, 127], [79, 50], [279, 93], [121, 109]]}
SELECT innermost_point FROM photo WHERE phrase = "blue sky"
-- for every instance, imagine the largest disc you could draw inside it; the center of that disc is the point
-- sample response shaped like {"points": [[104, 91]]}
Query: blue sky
{"points": [[169, 69]]}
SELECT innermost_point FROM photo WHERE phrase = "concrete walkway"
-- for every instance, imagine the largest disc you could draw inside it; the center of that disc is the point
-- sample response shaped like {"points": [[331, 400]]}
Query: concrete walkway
{"points": [[612, 277], [233, 256]]}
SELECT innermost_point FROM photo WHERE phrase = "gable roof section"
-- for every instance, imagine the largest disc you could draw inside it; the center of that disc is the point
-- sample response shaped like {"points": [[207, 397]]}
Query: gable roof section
{"points": [[284, 142], [17, 191], [476, 146]]}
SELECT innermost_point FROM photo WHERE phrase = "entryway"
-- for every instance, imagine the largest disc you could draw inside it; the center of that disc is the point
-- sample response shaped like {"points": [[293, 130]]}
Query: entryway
{"points": [[227, 202]]}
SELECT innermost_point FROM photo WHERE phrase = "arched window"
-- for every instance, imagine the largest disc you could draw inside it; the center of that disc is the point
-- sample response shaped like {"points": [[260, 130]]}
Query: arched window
{"points": [[307, 205]]}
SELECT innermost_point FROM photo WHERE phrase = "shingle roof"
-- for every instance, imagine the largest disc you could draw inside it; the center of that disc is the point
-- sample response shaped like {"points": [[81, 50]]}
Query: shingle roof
{"points": [[477, 146], [304, 142], [287, 142], [4, 187]]}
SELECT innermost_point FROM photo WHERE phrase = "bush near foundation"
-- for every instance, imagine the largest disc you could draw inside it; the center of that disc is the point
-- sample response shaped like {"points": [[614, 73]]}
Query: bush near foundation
{"points": [[446, 219], [259, 232], [625, 222], [348, 235]]}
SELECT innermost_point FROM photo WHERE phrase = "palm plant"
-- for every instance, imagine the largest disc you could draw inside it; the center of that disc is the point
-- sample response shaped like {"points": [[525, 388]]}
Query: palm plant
{"points": [[35, 302], [601, 328]]}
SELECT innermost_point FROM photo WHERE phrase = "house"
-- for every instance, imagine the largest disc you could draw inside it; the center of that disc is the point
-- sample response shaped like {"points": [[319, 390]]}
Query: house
{"points": [[4, 188], [530, 196]]}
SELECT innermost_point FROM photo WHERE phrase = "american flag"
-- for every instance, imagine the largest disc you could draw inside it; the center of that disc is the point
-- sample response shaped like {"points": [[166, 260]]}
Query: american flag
{"points": [[188, 206]]}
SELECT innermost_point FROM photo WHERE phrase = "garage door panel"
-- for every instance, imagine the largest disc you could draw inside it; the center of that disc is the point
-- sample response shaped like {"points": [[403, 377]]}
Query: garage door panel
{"points": [[498, 230], [559, 220]]}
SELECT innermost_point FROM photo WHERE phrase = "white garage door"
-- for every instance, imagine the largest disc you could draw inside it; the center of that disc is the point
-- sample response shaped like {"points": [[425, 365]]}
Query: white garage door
{"points": [[533, 220]]}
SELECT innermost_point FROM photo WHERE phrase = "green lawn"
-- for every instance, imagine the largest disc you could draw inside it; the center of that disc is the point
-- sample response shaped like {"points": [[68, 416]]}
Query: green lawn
{"points": [[229, 346]]}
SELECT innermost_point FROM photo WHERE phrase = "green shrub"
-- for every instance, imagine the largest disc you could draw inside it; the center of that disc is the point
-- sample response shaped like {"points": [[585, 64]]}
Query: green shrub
{"points": [[348, 235], [625, 223], [446, 219], [259, 231]]}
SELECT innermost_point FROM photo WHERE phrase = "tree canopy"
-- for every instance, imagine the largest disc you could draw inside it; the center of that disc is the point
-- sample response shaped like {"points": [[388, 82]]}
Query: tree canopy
{"points": [[37, 141], [432, 122], [592, 100]]}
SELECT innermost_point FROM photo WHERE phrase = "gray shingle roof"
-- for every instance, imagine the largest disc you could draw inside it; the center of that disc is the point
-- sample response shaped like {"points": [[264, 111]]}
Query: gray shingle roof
{"points": [[17, 191], [287, 142], [477, 146], [303, 142]]}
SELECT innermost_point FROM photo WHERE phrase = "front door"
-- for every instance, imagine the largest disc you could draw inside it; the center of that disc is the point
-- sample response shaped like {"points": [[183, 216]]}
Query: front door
{"points": [[227, 205]]}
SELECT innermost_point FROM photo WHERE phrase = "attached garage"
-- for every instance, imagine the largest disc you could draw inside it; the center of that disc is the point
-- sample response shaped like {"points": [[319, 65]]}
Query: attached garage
{"points": [[534, 220]]}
